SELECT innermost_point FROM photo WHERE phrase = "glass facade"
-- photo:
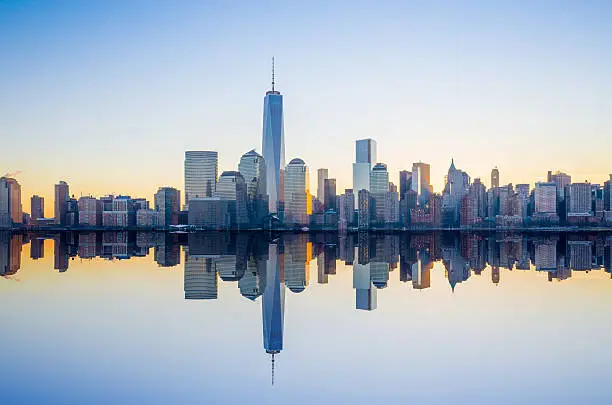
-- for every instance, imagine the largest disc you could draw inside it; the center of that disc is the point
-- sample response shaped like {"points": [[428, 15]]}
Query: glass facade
{"points": [[274, 147], [201, 172]]}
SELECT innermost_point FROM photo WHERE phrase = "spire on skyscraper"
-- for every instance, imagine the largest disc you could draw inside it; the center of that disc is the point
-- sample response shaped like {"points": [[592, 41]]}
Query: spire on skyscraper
{"points": [[273, 73]]}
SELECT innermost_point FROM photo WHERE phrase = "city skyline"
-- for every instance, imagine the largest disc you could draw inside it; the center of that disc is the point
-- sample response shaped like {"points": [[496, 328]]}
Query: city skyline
{"points": [[466, 93]]}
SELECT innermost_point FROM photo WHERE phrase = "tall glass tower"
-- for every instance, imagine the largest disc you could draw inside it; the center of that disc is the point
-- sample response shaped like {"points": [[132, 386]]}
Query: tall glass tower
{"points": [[274, 145]]}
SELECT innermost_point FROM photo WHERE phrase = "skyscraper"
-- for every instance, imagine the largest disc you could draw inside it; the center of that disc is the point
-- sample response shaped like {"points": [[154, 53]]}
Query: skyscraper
{"points": [[231, 187], [494, 178], [62, 195], [546, 198], [253, 169], [421, 182], [37, 207], [273, 146], [201, 172], [298, 201], [10, 202], [330, 194], [405, 183], [365, 157], [322, 175], [167, 201], [561, 180]]}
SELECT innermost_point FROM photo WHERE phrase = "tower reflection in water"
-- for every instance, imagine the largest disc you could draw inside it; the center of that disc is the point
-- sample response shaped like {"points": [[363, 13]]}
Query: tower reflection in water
{"points": [[265, 266]]}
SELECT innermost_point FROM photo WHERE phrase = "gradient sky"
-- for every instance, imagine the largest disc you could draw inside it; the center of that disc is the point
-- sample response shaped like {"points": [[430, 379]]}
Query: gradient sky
{"points": [[108, 95]]}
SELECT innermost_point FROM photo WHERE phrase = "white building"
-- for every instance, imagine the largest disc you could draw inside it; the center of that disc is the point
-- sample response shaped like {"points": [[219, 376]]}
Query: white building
{"points": [[201, 171]]}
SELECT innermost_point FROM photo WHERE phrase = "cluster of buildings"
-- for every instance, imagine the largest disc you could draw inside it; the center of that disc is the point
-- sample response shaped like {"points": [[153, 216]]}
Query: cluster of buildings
{"points": [[112, 211], [265, 192]]}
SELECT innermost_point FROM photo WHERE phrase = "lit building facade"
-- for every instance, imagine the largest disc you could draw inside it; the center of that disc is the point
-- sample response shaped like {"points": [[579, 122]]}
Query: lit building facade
{"points": [[298, 201], [365, 157], [201, 172], [273, 147]]}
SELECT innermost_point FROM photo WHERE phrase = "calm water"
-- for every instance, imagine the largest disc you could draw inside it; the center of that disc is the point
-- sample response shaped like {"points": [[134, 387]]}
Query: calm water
{"points": [[218, 318]]}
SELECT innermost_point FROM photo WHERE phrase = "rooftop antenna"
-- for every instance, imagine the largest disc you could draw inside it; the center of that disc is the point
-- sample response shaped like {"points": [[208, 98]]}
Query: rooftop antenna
{"points": [[273, 73]]}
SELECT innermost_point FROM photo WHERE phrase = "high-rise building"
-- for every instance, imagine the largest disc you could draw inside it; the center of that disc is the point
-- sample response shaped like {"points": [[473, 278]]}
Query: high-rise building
{"points": [[37, 207], [546, 198], [90, 211], [364, 207], [62, 195], [379, 187], [346, 209], [210, 212], [10, 202], [379, 179], [201, 172], [329, 201], [298, 201], [322, 175], [608, 194], [253, 169], [167, 201], [578, 197], [561, 180], [273, 146], [231, 187], [421, 182], [119, 212], [365, 157], [405, 182], [494, 178]]}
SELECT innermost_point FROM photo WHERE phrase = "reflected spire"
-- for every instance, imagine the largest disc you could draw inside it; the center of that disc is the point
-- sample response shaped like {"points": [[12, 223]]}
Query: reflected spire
{"points": [[272, 369]]}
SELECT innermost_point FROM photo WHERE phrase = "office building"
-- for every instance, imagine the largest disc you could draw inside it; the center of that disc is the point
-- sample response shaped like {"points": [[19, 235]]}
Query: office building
{"points": [[329, 200], [90, 211], [252, 167], [322, 175], [273, 146], [298, 201], [608, 194], [421, 179], [167, 201], [546, 198], [37, 207], [10, 202], [405, 182], [578, 200], [210, 212], [232, 187], [201, 172], [494, 178], [365, 157], [561, 180], [118, 212], [346, 209], [62, 195], [364, 209]]}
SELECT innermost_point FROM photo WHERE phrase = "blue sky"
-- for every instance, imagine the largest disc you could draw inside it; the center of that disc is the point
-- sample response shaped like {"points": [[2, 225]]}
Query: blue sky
{"points": [[108, 95]]}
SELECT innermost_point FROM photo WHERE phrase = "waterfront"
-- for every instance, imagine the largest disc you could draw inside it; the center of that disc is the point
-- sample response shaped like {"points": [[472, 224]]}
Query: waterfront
{"points": [[389, 318]]}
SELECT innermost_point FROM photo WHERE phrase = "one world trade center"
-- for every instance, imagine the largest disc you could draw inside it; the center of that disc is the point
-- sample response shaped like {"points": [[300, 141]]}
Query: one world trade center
{"points": [[274, 146]]}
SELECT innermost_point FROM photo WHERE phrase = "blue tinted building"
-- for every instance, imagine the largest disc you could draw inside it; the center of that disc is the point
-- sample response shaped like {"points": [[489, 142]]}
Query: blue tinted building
{"points": [[274, 145]]}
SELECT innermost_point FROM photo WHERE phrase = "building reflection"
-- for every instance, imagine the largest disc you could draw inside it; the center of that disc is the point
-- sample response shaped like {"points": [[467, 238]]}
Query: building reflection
{"points": [[264, 265], [211, 258]]}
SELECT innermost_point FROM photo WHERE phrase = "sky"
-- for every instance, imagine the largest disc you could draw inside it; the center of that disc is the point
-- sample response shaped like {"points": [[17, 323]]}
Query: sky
{"points": [[108, 95]]}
